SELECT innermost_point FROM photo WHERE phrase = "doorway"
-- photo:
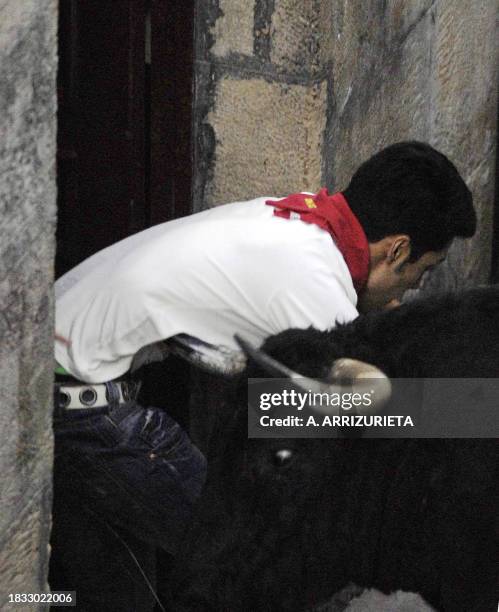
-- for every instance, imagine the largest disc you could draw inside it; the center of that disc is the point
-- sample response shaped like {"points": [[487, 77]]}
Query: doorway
{"points": [[124, 121]]}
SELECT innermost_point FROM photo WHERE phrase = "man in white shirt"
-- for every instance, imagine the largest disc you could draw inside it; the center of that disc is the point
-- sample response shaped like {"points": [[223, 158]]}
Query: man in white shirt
{"points": [[255, 268]]}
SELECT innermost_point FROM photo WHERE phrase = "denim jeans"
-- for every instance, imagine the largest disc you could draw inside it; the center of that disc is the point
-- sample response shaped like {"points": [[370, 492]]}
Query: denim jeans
{"points": [[125, 482]]}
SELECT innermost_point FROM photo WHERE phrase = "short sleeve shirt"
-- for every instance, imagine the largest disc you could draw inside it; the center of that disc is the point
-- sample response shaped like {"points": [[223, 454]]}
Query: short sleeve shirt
{"points": [[231, 269]]}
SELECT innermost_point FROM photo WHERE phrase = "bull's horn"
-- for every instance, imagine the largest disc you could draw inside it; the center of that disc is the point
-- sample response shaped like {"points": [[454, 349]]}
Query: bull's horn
{"points": [[346, 376], [362, 377]]}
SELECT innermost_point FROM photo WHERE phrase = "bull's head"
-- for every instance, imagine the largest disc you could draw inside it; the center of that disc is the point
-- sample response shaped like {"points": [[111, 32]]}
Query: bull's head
{"points": [[265, 526]]}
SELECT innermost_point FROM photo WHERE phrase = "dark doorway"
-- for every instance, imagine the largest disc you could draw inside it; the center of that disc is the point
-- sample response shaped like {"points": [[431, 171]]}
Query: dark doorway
{"points": [[125, 103]]}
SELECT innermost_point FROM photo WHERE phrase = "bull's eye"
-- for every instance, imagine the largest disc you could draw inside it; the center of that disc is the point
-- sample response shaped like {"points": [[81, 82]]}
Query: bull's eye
{"points": [[283, 457]]}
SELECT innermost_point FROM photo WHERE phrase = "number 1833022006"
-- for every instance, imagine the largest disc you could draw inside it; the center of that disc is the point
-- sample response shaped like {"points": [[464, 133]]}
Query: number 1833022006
{"points": [[55, 598]]}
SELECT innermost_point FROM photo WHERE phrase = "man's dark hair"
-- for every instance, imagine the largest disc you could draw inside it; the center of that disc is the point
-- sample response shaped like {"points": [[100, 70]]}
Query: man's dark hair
{"points": [[410, 188]]}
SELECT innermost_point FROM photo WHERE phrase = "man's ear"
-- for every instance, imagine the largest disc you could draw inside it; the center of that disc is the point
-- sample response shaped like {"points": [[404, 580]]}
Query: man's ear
{"points": [[400, 249]]}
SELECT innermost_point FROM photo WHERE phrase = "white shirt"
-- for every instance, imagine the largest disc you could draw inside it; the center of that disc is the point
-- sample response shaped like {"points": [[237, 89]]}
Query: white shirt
{"points": [[234, 268]]}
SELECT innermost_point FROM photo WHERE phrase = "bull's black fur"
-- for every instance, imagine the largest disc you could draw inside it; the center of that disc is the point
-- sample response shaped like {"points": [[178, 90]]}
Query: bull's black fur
{"points": [[416, 515], [455, 335]]}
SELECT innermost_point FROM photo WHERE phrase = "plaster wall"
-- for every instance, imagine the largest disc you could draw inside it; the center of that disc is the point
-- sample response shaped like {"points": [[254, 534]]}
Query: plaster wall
{"points": [[28, 61], [424, 70]]}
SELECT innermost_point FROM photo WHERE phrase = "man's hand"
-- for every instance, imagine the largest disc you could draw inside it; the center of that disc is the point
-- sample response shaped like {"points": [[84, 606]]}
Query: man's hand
{"points": [[392, 304]]}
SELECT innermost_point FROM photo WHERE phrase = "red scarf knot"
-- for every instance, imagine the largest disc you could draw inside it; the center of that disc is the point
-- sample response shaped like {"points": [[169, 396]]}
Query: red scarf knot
{"points": [[333, 214]]}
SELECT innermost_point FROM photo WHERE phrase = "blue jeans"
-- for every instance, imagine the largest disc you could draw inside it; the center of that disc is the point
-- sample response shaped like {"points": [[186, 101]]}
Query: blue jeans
{"points": [[125, 482]]}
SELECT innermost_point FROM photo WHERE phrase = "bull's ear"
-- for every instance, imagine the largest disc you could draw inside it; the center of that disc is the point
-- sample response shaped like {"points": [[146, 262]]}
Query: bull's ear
{"points": [[270, 365]]}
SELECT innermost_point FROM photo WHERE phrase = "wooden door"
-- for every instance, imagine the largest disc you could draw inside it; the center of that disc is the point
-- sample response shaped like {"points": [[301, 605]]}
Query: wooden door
{"points": [[124, 139]]}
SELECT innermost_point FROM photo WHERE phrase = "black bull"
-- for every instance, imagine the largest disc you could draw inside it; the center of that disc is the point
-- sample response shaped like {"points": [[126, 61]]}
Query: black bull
{"points": [[284, 524]]}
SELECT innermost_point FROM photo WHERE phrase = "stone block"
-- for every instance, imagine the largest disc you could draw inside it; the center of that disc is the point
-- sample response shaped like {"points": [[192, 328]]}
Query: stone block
{"points": [[360, 37], [28, 65], [268, 139], [25, 554], [295, 35], [233, 30], [464, 118], [383, 96]]}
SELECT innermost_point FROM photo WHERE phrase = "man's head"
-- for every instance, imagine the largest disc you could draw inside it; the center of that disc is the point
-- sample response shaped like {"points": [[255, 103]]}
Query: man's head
{"points": [[411, 202]]}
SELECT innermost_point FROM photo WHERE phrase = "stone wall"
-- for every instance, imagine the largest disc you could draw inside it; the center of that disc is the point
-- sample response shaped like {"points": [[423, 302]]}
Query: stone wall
{"points": [[261, 99], [292, 95], [28, 60], [426, 70]]}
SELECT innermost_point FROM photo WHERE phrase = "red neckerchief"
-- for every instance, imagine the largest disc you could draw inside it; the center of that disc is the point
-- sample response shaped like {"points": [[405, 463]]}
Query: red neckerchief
{"points": [[332, 213]]}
